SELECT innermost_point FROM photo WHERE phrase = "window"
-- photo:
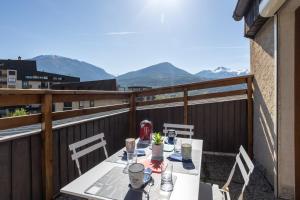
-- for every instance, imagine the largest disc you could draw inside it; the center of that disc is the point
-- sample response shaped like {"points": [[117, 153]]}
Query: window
{"points": [[12, 73], [80, 104], [67, 105], [92, 103], [44, 85]]}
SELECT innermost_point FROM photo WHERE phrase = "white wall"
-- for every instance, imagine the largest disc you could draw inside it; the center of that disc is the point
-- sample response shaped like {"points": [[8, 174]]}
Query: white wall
{"points": [[264, 105]]}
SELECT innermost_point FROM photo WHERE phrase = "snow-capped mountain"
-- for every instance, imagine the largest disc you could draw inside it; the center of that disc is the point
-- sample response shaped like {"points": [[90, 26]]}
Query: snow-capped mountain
{"points": [[221, 72]]}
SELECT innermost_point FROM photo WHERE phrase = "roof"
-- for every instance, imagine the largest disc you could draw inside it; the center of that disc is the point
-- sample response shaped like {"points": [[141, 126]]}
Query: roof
{"points": [[241, 9], [27, 70], [110, 84]]}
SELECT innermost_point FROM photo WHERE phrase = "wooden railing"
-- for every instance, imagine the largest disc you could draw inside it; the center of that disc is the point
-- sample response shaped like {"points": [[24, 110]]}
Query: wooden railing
{"points": [[46, 98], [184, 89]]}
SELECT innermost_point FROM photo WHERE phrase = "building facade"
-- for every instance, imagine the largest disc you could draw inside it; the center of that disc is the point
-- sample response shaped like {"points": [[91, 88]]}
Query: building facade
{"points": [[23, 74], [105, 85], [271, 27]]}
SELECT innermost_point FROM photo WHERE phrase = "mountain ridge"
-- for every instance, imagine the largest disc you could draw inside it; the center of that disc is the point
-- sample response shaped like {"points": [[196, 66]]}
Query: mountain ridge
{"points": [[157, 75], [71, 67]]}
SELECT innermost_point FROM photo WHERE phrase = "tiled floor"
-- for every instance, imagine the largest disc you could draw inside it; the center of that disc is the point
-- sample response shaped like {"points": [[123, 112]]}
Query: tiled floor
{"points": [[216, 169]]}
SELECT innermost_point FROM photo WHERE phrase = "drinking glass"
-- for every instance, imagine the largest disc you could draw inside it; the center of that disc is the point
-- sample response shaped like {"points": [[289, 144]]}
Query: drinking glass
{"points": [[186, 149], [177, 145], [130, 145], [131, 158], [166, 178]]}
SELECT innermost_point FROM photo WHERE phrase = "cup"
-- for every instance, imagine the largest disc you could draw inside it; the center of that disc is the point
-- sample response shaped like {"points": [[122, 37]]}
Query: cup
{"points": [[186, 150], [130, 145], [171, 135], [131, 159], [136, 175], [166, 178]]}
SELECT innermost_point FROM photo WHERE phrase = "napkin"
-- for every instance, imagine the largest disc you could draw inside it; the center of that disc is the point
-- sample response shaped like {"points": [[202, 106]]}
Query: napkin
{"points": [[175, 157]]}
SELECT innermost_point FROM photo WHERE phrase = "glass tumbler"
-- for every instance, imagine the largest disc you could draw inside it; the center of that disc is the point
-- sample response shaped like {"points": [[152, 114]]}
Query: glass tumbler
{"points": [[131, 158], [166, 178]]}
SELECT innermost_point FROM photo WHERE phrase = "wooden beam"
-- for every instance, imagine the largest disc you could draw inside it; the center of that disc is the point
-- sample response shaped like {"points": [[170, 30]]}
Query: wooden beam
{"points": [[195, 86], [87, 97], [48, 91], [87, 111], [297, 104], [47, 147], [185, 106], [250, 116], [13, 122], [217, 95], [19, 99], [132, 116], [160, 101], [194, 97]]}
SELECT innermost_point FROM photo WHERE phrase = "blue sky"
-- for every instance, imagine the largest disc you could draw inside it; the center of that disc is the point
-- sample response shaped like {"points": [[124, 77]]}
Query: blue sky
{"points": [[125, 35]]}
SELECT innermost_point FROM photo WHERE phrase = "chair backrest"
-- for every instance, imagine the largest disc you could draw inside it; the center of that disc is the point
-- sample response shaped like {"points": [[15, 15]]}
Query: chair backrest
{"points": [[76, 155], [181, 129], [245, 172]]}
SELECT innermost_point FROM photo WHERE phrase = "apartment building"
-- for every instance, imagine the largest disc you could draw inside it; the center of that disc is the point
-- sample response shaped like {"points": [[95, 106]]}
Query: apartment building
{"points": [[23, 74], [106, 85]]}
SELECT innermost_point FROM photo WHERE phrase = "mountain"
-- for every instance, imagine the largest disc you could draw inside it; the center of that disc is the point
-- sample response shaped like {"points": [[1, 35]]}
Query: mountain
{"points": [[162, 74], [221, 72], [71, 67]]}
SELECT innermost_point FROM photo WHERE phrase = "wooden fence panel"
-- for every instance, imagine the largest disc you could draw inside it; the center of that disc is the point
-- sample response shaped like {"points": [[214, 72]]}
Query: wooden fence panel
{"points": [[222, 125], [36, 168], [115, 128], [21, 169], [5, 168]]}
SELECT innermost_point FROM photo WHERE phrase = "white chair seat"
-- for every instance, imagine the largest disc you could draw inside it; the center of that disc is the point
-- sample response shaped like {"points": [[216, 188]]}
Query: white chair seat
{"points": [[206, 191], [211, 192]]}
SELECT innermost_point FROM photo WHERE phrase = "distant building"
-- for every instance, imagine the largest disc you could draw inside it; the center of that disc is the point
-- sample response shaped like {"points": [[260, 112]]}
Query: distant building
{"points": [[141, 88], [23, 74], [108, 85]]}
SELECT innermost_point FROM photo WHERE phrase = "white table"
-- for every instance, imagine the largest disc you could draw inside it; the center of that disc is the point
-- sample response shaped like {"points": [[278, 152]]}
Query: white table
{"points": [[186, 186]]}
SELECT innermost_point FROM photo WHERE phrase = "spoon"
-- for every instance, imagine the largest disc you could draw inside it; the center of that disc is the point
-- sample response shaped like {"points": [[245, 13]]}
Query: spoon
{"points": [[151, 183]]}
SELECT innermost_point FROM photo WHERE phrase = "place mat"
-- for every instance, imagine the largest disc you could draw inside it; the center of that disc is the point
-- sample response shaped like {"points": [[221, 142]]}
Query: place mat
{"points": [[121, 158], [115, 185], [188, 167]]}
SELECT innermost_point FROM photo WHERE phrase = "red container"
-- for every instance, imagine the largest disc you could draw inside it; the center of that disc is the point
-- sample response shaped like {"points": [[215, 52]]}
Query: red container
{"points": [[146, 129]]}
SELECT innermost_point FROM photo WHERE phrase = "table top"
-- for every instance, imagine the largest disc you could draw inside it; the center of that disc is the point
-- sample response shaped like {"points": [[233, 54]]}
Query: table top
{"points": [[186, 186]]}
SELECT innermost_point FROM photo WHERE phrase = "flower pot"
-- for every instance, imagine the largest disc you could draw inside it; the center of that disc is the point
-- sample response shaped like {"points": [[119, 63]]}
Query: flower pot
{"points": [[157, 151]]}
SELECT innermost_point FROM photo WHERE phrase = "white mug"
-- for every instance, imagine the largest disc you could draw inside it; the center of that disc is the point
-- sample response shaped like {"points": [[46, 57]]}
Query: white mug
{"points": [[136, 175]]}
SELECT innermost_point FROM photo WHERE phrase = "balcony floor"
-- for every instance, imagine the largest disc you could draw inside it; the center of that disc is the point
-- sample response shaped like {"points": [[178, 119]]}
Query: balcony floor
{"points": [[216, 169]]}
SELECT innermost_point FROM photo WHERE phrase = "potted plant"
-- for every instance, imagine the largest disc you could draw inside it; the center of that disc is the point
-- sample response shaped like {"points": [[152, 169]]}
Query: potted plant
{"points": [[157, 146]]}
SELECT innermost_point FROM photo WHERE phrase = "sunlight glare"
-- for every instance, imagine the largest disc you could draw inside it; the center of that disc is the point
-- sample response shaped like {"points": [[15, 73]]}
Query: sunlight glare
{"points": [[163, 4]]}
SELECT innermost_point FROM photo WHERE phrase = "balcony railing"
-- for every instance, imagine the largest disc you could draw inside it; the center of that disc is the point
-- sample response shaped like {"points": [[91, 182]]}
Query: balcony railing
{"points": [[42, 156]]}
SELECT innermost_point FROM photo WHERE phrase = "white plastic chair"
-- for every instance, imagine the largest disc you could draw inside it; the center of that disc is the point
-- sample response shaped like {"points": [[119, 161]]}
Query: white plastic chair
{"points": [[213, 192], [181, 129], [76, 155]]}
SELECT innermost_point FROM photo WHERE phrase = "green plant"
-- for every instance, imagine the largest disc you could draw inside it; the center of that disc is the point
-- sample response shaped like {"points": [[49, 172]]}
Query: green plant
{"points": [[157, 138], [18, 112]]}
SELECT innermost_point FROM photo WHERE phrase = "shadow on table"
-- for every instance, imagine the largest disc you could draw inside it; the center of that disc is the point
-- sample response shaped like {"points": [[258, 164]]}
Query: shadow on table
{"points": [[189, 165], [136, 195]]}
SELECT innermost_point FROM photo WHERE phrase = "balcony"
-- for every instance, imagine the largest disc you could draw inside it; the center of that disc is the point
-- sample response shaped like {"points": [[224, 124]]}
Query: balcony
{"points": [[34, 156]]}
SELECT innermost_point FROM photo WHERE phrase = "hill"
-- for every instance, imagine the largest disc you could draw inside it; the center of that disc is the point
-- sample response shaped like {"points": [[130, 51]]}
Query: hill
{"points": [[71, 67], [162, 74]]}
